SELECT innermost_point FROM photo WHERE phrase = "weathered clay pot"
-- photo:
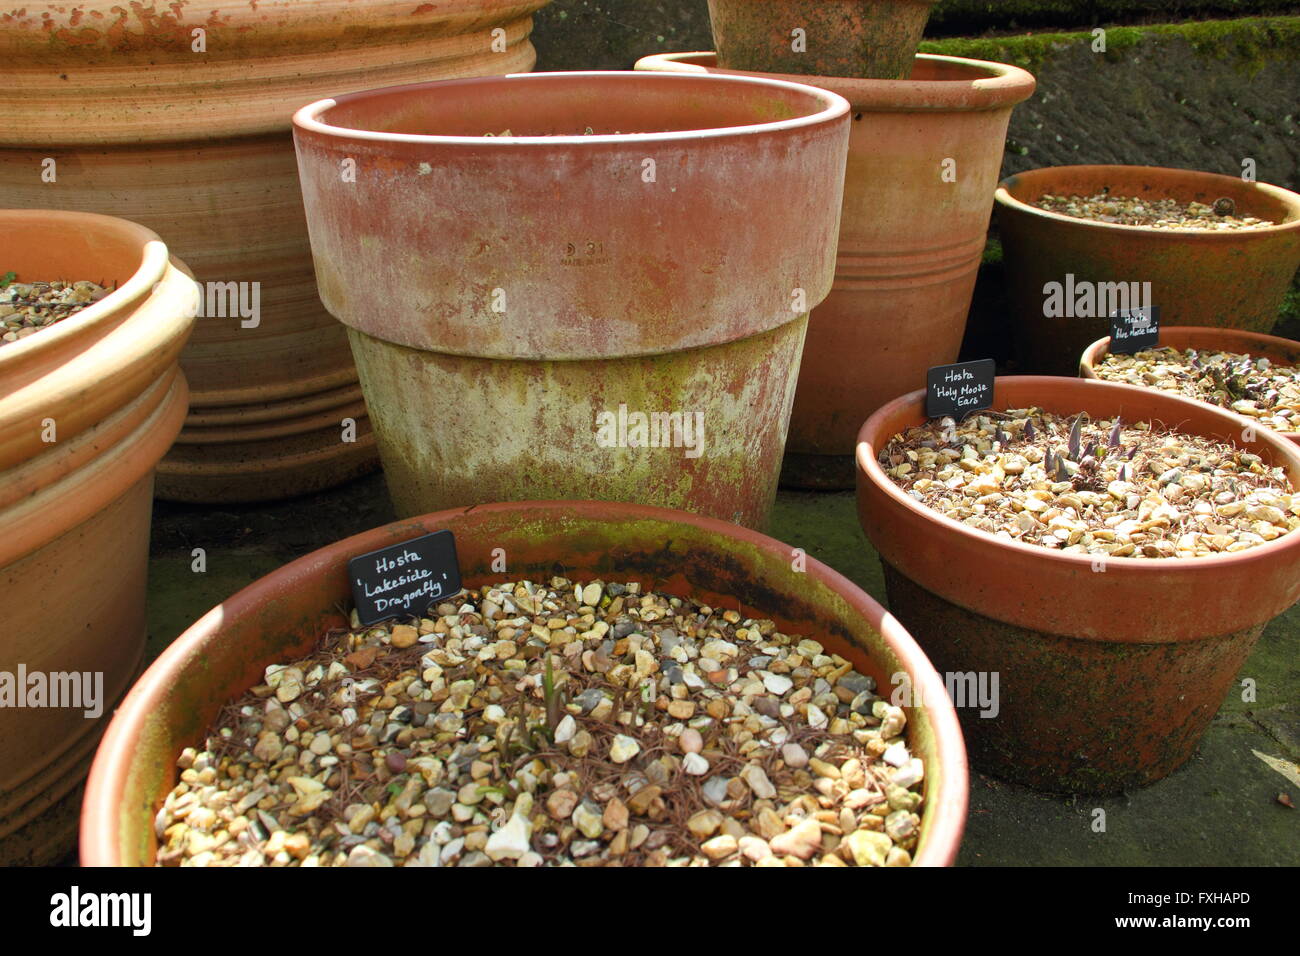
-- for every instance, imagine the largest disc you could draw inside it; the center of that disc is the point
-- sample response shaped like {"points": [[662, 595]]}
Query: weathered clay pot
{"points": [[284, 614], [924, 157], [105, 386], [1231, 279], [1278, 350], [864, 38], [505, 293], [1109, 671], [194, 143]]}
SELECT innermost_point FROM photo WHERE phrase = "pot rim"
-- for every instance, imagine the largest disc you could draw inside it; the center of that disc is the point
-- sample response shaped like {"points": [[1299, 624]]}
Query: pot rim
{"points": [[308, 118], [1009, 203], [1099, 349], [999, 85], [153, 264], [102, 806], [869, 468]]}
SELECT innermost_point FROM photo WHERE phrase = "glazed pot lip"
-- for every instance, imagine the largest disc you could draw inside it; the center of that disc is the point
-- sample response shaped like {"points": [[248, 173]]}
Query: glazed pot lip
{"points": [[991, 86], [831, 107], [1099, 349], [869, 469], [154, 259], [102, 806], [1046, 175]]}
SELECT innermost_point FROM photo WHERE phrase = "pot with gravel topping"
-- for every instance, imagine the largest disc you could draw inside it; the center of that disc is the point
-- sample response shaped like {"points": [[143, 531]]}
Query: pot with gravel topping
{"points": [[91, 397], [1110, 552], [1256, 376], [1216, 250], [642, 687]]}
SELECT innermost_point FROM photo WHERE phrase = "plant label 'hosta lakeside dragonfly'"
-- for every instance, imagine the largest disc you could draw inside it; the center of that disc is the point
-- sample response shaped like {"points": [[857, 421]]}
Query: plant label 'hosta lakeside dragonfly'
{"points": [[404, 579]]}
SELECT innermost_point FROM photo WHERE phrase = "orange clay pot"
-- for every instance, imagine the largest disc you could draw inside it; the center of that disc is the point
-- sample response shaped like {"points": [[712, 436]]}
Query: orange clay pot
{"points": [[1109, 670], [1226, 279], [865, 38], [285, 613], [504, 294], [190, 136], [1277, 350], [911, 238], [104, 384]]}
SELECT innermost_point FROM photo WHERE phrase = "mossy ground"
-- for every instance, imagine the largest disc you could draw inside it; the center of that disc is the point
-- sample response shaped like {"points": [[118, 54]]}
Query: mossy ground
{"points": [[1248, 43], [1221, 808]]}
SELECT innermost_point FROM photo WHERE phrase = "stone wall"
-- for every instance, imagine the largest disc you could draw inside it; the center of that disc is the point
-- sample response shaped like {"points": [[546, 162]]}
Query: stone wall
{"points": [[613, 34], [1198, 96]]}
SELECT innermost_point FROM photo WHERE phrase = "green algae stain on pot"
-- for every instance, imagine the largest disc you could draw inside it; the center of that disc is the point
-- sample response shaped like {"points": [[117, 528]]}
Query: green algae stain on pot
{"points": [[458, 430]]}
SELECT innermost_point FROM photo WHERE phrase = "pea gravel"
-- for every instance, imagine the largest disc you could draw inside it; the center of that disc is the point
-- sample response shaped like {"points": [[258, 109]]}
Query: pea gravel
{"points": [[585, 724]]}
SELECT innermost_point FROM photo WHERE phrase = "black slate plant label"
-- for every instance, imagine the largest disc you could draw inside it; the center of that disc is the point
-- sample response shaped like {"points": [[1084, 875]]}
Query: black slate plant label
{"points": [[404, 579], [1132, 330], [959, 389]]}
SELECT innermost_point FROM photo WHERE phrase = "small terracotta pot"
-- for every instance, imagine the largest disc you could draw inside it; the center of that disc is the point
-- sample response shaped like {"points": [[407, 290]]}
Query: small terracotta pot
{"points": [[1109, 671], [505, 294], [195, 143], [910, 244], [1278, 350], [1229, 279], [847, 38], [283, 615], [104, 384]]}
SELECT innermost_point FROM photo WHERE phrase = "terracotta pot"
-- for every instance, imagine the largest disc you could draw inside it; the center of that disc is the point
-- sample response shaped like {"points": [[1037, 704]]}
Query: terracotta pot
{"points": [[909, 249], [75, 511], [284, 614], [1230, 279], [862, 38], [196, 145], [504, 294], [1277, 350], [1109, 671]]}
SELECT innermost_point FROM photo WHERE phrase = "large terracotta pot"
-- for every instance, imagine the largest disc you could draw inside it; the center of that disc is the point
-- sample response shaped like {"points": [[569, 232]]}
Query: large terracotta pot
{"points": [[504, 294], [1109, 671], [196, 145], [1277, 350], [75, 511], [864, 38], [911, 238], [1231, 279], [283, 614]]}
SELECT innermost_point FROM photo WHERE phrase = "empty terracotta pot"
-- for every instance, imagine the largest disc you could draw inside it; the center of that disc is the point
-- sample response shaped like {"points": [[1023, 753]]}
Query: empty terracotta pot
{"points": [[1277, 350], [924, 158], [514, 301], [1229, 279], [848, 38], [177, 116], [285, 613], [87, 408], [1109, 671]]}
